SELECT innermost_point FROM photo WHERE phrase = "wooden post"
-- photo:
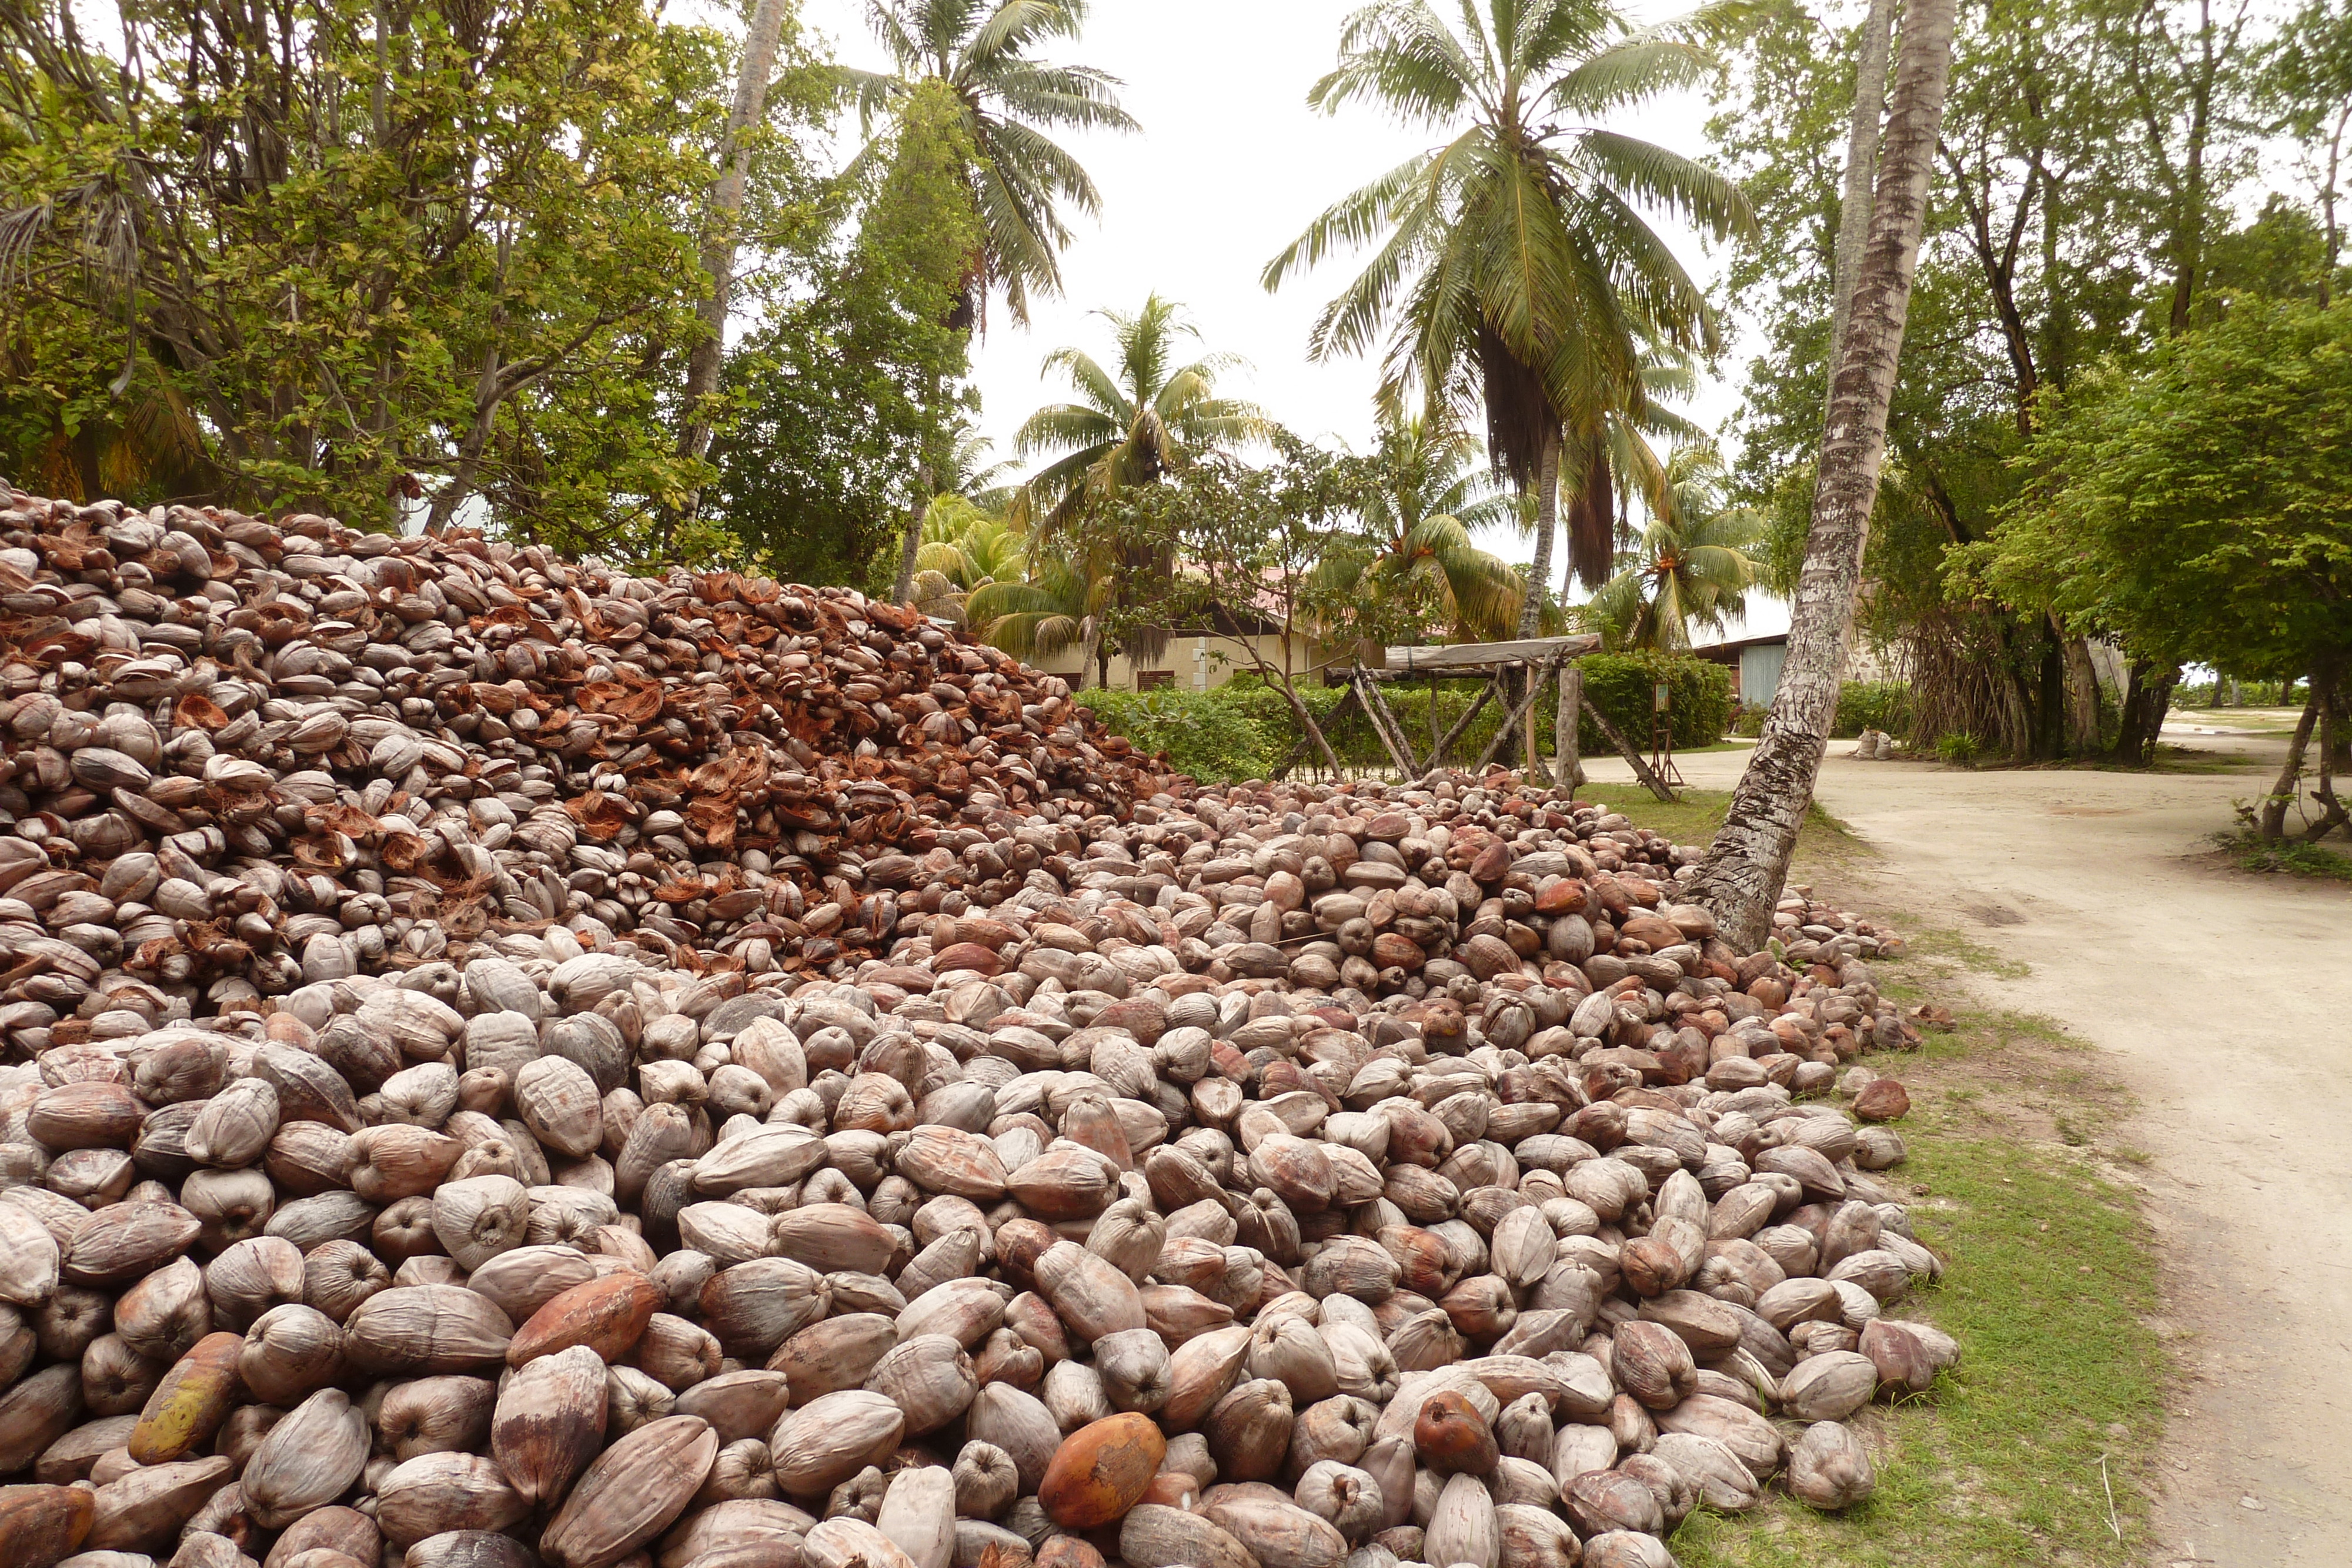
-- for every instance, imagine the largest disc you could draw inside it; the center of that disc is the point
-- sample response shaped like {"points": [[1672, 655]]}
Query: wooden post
{"points": [[1564, 737], [1385, 724], [1535, 679], [1461, 725], [1640, 769], [1535, 767]]}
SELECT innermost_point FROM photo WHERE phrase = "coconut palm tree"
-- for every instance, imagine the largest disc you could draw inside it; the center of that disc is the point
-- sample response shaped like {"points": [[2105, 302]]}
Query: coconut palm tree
{"points": [[1059, 606], [1132, 422], [965, 546], [1692, 566], [985, 51], [1415, 552], [1513, 262]]}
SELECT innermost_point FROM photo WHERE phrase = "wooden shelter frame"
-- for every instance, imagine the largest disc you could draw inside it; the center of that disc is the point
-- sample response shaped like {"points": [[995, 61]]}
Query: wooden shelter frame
{"points": [[1544, 661]]}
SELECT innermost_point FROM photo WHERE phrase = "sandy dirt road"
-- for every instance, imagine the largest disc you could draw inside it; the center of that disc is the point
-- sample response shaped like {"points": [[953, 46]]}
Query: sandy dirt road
{"points": [[2226, 1002]]}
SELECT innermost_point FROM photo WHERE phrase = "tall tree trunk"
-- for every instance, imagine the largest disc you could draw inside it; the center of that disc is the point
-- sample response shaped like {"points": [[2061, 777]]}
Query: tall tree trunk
{"points": [[2328, 694], [1547, 524], [903, 591], [724, 219], [2146, 698], [1741, 877], [2271, 819], [1861, 168], [2082, 693]]}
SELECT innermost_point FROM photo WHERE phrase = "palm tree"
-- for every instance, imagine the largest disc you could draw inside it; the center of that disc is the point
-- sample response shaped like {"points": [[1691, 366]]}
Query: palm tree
{"points": [[1692, 566], [1133, 423], [1060, 606], [1415, 553], [984, 51], [1513, 260], [965, 546]]}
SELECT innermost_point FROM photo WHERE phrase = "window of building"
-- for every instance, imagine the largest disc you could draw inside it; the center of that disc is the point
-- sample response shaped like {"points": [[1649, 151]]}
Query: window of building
{"points": [[1152, 680]]}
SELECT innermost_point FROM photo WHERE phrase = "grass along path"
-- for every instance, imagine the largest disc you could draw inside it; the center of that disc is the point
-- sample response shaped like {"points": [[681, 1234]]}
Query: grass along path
{"points": [[2038, 1448]]}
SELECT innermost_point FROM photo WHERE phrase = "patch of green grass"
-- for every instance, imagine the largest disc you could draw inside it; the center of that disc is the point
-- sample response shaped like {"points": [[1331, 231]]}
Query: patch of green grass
{"points": [[2293, 858], [2048, 1292], [1694, 817], [1953, 951]]}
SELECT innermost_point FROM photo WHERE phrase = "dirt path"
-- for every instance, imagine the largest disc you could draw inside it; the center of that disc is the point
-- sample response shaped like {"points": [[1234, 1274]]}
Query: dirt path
{"points": [[2226, 1001]]}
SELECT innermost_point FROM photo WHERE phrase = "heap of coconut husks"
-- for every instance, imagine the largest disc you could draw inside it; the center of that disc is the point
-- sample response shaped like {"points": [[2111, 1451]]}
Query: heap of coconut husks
{"points": [[511, 1064]]}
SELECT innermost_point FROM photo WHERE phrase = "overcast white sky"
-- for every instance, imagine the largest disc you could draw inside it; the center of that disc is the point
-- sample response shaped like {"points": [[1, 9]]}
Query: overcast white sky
{"points": [[1229, 166]]}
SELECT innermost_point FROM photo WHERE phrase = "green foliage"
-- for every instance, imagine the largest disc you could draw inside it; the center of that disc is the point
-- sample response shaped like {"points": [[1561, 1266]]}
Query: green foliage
{"points": [[1409, 566], [1218, 736], [1244, 728], [1872, 704], [1143, 417], [2197, 507], [849, 395], [2051, 241], [1958, 747], [982, 54], [1622, 686], [456, 256], [1692, 566]]}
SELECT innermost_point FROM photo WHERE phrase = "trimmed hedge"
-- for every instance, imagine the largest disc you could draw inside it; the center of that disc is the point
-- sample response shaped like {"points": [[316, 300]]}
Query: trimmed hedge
{"points": [[1245, 730]]}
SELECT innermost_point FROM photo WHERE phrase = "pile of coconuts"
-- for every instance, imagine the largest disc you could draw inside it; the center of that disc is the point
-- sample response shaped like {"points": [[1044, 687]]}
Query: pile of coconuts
{"points": [[509, 1063]]}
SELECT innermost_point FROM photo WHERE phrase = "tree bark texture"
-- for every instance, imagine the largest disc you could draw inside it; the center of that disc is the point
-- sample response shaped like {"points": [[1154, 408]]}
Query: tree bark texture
{"points": [[1547, 524], [1564, 725], [2147, 697], [2081, 695], [1740, 879], [1861, 168], [2271, 822], [750, 107], [903, 591]]}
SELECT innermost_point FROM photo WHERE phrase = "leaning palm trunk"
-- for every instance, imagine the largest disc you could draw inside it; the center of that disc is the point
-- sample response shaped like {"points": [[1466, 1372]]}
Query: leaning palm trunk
{"points": [[1741, 878], [1861, 164]]}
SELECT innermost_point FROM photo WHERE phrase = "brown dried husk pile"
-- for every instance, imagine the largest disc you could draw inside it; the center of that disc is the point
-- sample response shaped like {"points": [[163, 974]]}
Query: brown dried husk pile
{"points": [[475, 1103]]}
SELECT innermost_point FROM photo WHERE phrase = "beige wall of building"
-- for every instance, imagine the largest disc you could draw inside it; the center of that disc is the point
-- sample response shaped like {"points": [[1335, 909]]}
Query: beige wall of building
{"points": [[1193, 663]]}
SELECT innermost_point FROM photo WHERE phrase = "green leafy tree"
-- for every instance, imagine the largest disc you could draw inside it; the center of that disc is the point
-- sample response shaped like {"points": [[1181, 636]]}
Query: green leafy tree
{"points": [[1409, 564], [2195, 508], [1690, 566], [1133, 424], [978, 61], [370, 255], [1008, 99], [1513, 263], [850, 396], [2307, 86]]}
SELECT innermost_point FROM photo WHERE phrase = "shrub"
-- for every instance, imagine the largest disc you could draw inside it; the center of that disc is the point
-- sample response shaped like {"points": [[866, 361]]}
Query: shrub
{"points": [[1872, 705], [1620, 684], [1245, 730], [1215, 738], [1960, 750]]}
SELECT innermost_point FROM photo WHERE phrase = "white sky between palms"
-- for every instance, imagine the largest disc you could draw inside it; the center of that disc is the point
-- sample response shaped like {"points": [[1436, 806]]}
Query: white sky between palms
{"points": [[1230, 165]]}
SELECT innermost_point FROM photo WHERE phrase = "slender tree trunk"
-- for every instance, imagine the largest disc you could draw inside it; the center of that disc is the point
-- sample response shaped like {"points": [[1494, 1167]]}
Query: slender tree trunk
{"points": [[2146, 698], [750, 107], [1547, 524], [1741, 878], [2082, 693], [2328, 694], [903, 591], [1861, 169], [2281, 799]]}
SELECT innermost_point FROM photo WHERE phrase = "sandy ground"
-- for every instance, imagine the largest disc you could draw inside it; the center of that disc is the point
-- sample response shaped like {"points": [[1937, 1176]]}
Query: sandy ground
{"points": [[2226, 1002]]}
